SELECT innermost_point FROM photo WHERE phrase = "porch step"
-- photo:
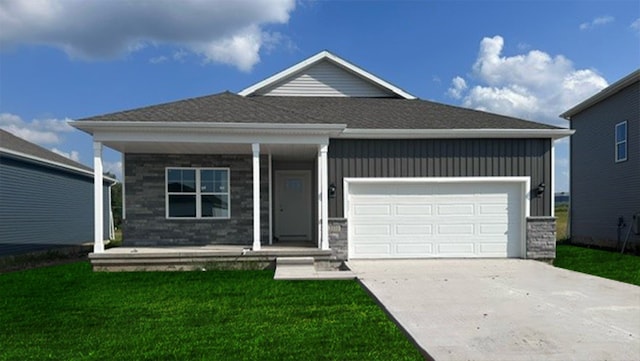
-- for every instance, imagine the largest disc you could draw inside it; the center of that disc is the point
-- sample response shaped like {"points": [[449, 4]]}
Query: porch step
{"points": [[303, 268]]}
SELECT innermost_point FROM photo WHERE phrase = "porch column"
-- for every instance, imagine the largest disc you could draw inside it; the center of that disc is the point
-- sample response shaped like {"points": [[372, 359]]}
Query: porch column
{"points": [[255, 147], [324, 190], [319, 197], [98, 216]]}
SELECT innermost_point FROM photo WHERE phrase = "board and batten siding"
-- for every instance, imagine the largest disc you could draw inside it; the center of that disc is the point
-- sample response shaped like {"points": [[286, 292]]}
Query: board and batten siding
{"points": [[441, 158], [325, 79], [601, 189], [43, 207]]}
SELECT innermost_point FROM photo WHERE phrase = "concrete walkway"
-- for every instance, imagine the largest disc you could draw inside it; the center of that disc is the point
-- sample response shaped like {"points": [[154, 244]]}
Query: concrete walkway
{"points": [[506, 309]]}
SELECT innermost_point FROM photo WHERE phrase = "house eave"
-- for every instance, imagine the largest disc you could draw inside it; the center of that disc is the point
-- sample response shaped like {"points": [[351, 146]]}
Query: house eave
{"points": [[603, 94], [92, 127], [454, 133], [51, 164]]}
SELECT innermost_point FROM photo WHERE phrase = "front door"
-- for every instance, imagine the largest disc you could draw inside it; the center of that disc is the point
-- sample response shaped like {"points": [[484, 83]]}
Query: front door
{"points": [[293, 205]]}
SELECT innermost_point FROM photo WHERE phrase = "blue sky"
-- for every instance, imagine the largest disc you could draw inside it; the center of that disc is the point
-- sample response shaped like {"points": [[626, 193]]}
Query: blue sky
{"points": [[69, 59]]}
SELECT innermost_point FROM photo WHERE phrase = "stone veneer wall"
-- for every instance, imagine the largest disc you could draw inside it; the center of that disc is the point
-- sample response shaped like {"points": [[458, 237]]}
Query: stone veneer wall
{"points": [[338, 234], [541, 238], [146, 223]]}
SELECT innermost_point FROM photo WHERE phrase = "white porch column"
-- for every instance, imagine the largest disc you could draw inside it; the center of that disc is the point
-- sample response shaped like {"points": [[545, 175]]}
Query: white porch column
{"points": [[98, 216], [319, 195], [325, 195], [255, 147]]}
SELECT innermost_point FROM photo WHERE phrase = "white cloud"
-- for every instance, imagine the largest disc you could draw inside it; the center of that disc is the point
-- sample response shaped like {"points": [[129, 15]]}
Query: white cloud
{"points": [[599, 21], [158, 59], [113, 167], [458, 85], [635, 25], [40, 131], [534, 85], [221, 31], [73, 155]]}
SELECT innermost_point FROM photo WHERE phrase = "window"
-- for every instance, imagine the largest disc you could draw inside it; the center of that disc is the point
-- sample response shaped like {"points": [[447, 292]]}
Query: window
{"points": [[621, 141], [197, 193]]}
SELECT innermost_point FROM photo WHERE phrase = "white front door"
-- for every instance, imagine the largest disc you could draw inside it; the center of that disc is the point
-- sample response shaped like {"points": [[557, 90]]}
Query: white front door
{"points": [[293, 205]]}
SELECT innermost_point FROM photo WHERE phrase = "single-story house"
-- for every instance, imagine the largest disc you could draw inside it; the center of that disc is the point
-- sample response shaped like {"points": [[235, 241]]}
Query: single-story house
{"points": [[47, 200], [329, 154], [605, 165]]}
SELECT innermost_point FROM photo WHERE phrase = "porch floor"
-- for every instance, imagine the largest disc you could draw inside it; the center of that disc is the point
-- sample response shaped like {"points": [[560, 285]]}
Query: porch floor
{"points": [[185, 258]]}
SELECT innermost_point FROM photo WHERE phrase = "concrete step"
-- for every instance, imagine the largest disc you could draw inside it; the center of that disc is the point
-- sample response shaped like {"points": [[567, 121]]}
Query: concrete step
{"points": [[303, 268]]}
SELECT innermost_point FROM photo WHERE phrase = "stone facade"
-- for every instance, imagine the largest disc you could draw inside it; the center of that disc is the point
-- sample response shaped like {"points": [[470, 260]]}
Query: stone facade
{"points": [[541, 238], [338, 237], [145, 197]]}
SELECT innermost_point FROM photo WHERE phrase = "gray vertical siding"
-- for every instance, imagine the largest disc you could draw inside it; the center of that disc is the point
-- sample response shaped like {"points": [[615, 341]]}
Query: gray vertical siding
{"points": [[441, 158], [601, 189], [43, 207]]}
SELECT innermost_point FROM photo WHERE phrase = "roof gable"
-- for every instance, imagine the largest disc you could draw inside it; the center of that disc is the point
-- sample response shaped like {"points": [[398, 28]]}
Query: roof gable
{"points": [[325, 74]]}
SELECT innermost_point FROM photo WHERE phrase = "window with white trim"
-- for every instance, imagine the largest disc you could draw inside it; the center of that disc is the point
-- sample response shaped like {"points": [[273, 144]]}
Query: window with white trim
{"points": [[621, 141], [197, 193]]}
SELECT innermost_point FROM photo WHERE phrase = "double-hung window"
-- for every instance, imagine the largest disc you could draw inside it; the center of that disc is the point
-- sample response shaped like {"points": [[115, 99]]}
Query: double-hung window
{"points": [[197, 193], [621, 141]]}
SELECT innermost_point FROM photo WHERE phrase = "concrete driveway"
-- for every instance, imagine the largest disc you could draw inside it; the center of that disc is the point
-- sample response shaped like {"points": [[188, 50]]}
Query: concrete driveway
{"points": [[506, 309]]}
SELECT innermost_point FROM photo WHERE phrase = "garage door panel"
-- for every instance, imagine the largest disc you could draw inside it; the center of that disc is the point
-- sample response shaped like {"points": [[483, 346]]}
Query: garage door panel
{"points": [[455, 229], [413, 229], [372, 209], [414, 249], [413, 209], [458, 210], [400, 220]]}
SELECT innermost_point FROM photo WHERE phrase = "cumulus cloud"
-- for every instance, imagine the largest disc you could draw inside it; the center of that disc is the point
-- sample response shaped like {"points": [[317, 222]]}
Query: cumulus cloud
{"points": [[599, 21], [220, 31], [40, 131], [113, 168], [635, 25], [73, 155], [458, 85], [534, 85]]}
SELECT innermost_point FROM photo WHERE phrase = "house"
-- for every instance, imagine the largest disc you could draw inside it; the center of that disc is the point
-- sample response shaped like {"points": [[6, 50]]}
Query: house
{"points": [[605, 165], [329, 154], [46, 200]]}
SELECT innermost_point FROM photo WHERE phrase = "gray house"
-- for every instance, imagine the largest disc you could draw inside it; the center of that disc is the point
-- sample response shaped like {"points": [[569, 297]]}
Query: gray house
{"points": [[605, 164], [329, 155], [46, 200]]}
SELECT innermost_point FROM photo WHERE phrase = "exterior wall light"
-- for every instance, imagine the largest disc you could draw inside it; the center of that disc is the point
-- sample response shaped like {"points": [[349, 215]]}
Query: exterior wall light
{"points": [[332, 190], [540, 189]]}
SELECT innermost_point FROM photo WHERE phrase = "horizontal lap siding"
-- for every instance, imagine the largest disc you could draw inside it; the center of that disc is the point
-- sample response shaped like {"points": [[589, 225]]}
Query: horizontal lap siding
{"points": [[325, 79], [43, 207], [441, 158]]}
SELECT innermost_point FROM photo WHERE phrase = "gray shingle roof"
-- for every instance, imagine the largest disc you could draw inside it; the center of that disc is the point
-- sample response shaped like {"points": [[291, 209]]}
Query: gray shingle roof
{"points": [[17, 144], [357, 113]]}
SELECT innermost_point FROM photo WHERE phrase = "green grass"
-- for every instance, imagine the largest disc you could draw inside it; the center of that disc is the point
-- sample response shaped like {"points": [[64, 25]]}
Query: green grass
{"points": [[68, 312], [561, 212], [607, 264]]}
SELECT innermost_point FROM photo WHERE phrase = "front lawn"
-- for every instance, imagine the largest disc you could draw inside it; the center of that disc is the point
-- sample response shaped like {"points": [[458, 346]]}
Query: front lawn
{"points": [[70, 313], [607, 264]]}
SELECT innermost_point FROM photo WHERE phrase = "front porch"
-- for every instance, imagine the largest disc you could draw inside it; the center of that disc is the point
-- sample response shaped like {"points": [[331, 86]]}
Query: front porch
{"points": [[207, 257]]}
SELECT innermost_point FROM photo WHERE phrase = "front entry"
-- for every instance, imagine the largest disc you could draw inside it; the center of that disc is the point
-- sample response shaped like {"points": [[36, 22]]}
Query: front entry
{"points": [[293, 205]]}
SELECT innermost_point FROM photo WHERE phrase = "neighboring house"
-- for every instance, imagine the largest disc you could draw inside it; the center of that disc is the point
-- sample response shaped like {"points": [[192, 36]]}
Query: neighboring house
{"points": [[605, 164], [46, 200], [328, 153]]}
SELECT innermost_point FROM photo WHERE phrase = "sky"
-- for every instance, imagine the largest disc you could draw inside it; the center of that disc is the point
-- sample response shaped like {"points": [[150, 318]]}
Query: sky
{"points": [[64, 60]]}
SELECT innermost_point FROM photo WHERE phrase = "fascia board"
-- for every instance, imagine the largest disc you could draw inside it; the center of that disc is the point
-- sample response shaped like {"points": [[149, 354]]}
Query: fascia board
{"points": [[454, 133]]}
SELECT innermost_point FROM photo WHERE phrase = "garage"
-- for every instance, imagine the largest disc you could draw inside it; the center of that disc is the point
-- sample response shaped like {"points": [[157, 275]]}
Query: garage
{"points": [[436, 217]]}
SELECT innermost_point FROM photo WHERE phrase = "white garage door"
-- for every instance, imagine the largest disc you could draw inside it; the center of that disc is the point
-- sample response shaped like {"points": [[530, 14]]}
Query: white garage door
{"points": [[408, 219]]}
